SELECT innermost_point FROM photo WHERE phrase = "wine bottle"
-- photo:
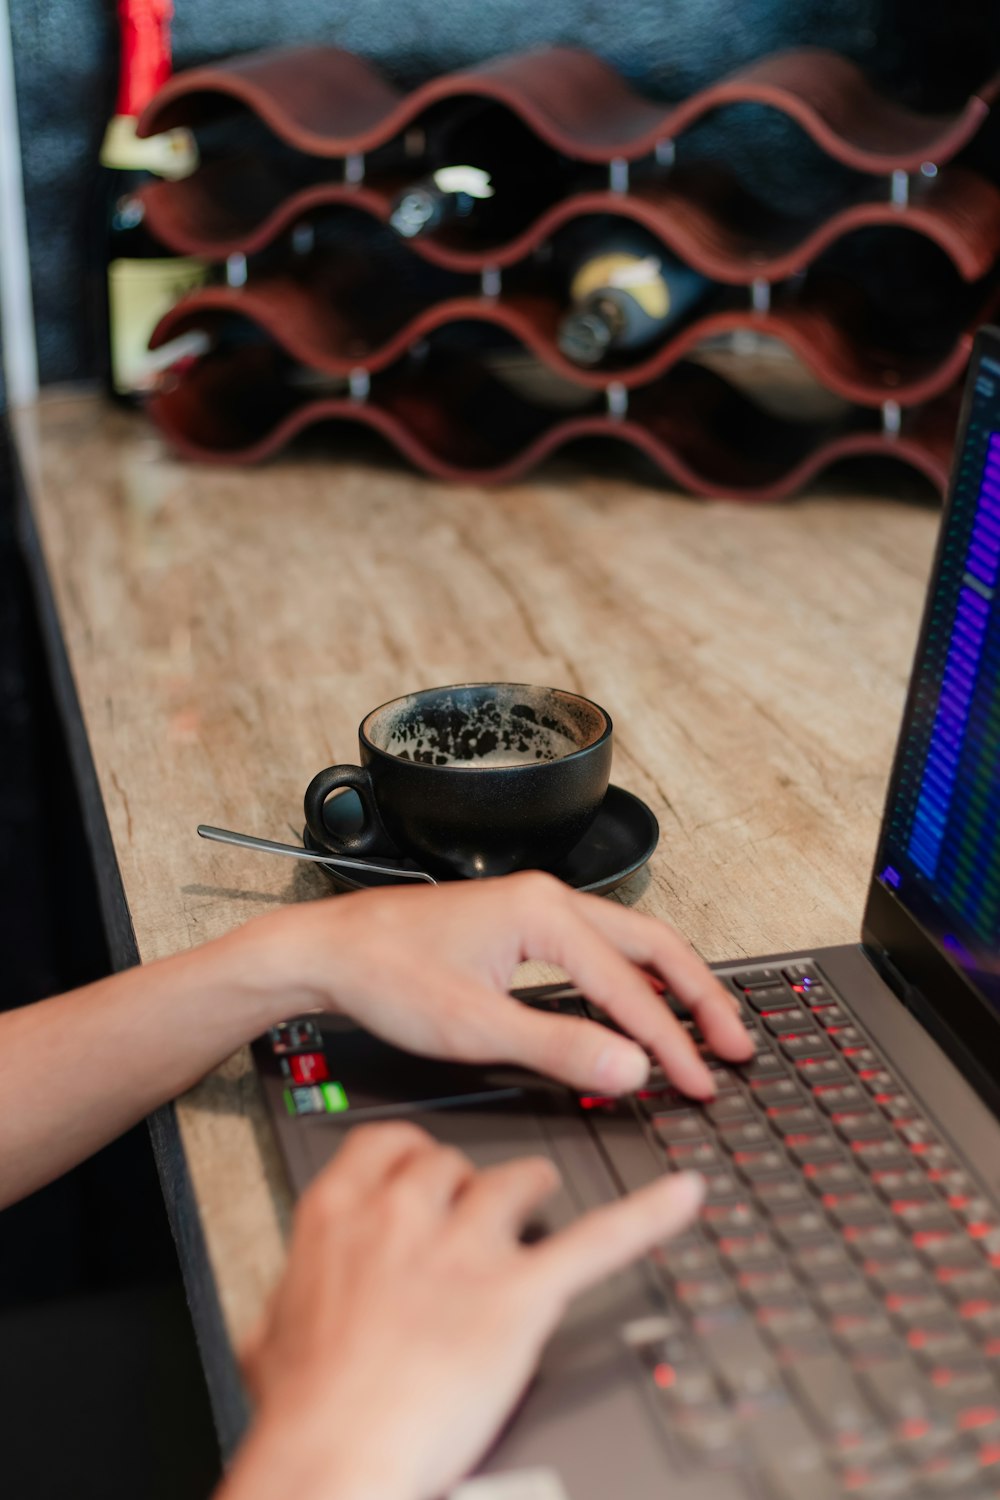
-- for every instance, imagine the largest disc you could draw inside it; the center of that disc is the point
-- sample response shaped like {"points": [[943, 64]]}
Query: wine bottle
{"points": [[485, 167], [135, 279], [625, 291]]}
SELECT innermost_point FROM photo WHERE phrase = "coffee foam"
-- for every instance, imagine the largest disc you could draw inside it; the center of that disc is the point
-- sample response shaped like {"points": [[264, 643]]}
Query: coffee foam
{"points": [[515, 726]]}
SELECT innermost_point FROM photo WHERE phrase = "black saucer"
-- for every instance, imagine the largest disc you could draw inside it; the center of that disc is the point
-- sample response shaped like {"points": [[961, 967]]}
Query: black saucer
{"points": [[617, 844]]}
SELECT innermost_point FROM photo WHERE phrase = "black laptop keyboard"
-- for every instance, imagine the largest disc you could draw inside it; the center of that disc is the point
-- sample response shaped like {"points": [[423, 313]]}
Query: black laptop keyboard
{"points": [[832, 1325]]}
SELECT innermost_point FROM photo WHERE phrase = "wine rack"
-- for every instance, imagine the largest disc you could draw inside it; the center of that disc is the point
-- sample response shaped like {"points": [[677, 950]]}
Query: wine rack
{"points": [[390, 352]]}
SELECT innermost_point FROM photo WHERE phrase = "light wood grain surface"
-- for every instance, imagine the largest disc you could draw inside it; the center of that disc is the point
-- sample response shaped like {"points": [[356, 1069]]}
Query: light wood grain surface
{"points": [[227, 630]]}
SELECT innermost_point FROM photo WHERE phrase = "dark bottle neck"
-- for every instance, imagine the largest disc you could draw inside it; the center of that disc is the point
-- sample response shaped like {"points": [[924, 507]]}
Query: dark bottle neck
{"points": [[586, 334], [446, 195]]}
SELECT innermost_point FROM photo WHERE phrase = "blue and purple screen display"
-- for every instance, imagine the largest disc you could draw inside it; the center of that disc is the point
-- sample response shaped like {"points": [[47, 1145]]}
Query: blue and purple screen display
{"points": [[940, 849]]}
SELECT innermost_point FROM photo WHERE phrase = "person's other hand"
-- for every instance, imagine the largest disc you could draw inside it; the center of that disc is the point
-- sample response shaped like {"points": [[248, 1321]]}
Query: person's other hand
{"points": [[410, 1315], [429, 971]]}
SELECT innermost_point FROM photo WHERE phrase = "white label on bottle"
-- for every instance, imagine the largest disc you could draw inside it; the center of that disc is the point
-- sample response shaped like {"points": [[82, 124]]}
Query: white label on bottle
{"points": [[527, 1484], [139, 293], [471, 180], [641, 275], [171, 154]]}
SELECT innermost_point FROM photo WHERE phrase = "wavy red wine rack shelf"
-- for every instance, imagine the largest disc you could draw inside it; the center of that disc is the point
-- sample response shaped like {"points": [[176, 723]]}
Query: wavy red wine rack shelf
{"points": [[459, 424], [326, 311], [328, 102]]}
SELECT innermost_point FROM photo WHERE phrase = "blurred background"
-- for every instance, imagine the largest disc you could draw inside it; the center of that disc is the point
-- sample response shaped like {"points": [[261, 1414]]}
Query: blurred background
{"points": [[87, 1267], [65, 58]]}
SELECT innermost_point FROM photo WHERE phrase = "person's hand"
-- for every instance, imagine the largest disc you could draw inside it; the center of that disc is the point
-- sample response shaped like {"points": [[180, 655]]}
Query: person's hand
{"points": [[429, 971], [410, 1316]]}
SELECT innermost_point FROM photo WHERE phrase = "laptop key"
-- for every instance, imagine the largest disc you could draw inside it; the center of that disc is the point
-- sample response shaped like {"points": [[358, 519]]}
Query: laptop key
{"points": [[755, 979], [804, 973], [738, 1134], [910, 1309], [729, 1107], [776, 1193], [729, 1218], [895, 1105], [861, 1326], [721, 1185], [877, 1080], [944, 1246], [886, 1481], [974, 1211], [853, 1208], [693, 1155], [820, 1069], [748, 1249], [788, 1118], [869, 1240], [687, 1260], [824, 1261], [755, 1164], [954, 1183], [799, 1226], [948, 1473], [832, 1097], [932, 1344], [902, 1182], [812, 1146], [921, 1213], [895, 1273], [705, 1294], [680, 1126], [861, 1057], [829, 1014], [764, 1065], [789, 1321], [846, 1293], [845, 1036], [961, 1283], [777, 998], [777, 1022], [878, 1151], [799, 1044], [771, 1286], [828, 1176], [767, 1091], [855, 1124], [724, 1077], [981, 1315]]}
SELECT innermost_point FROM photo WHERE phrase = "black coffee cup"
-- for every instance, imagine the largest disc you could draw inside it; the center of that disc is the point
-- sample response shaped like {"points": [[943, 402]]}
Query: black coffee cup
{"points": [[478, 779]]}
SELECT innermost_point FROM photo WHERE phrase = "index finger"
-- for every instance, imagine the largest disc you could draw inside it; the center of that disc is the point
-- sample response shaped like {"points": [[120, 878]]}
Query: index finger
{"points": [[655, 945], [608, 1239]]}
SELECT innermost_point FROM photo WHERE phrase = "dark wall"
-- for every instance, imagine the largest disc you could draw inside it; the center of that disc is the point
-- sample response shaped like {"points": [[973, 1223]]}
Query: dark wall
{"points": [[927, 53]]}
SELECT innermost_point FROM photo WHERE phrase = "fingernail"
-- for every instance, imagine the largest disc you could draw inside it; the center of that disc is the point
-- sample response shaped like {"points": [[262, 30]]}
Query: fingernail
{"points": [[621, 1068]]}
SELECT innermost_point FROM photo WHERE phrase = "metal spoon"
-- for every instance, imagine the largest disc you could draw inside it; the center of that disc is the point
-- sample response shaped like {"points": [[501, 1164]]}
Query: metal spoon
{"points": [[293, 851]]}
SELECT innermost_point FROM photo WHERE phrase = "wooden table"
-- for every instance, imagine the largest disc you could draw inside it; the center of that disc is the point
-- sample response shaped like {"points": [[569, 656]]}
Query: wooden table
{"points": [[226, 630]]}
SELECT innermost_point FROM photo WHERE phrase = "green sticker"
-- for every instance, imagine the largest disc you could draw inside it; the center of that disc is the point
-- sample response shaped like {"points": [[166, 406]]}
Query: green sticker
{"points": [[334, 1098], [289, 1101]]}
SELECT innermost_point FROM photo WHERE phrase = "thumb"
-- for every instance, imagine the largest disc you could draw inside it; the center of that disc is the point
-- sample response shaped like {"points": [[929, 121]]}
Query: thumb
{"points": [[584, 1054]]}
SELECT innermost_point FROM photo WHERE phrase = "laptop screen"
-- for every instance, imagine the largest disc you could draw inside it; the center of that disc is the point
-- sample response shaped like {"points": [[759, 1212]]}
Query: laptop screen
{"points": [[940, 846]]}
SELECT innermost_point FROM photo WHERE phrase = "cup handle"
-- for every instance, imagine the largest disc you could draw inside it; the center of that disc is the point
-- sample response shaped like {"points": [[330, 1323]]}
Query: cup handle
{"points": [[371, 837]]}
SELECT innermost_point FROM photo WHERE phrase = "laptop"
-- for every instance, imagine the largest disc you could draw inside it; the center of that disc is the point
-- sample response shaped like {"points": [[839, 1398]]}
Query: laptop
{"points": [[831, 1326]]}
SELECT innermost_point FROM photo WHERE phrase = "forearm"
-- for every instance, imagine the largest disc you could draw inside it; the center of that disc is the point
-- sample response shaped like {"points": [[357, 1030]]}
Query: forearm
{"points": [[304, 1453], [77, 1070]]}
